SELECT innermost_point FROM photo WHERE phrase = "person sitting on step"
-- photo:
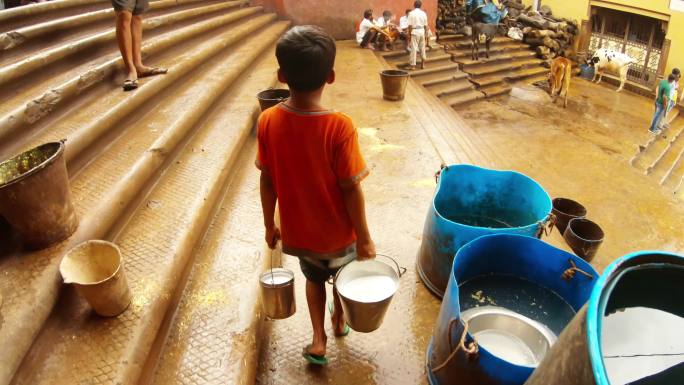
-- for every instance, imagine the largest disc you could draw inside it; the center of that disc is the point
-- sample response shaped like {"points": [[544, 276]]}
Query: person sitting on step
{"points": [[367, 32]]}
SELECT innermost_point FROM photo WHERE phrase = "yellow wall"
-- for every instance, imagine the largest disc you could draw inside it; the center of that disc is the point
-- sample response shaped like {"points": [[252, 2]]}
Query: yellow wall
{"points": [[579, 10]]}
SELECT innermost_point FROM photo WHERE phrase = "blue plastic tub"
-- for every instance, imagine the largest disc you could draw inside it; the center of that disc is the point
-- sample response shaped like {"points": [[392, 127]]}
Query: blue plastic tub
{"points": [[648, 282], [511, 259], [471, 202]]}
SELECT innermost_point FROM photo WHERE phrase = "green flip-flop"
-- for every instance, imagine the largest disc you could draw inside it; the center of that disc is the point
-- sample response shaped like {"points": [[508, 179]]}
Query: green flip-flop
{"points": [[314, 359], [347, 330]]}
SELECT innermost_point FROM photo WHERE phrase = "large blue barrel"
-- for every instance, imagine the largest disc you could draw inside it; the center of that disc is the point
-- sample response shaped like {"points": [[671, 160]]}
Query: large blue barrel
{"points": [[630, 331], [525, 259], [471, 202]]}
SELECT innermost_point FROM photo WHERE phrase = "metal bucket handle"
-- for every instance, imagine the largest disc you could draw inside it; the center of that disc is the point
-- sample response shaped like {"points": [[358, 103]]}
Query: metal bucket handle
{"points": [[471, 351], [400, 270]]}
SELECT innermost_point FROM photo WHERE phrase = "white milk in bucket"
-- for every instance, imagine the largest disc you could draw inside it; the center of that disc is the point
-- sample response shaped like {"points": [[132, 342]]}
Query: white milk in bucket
{"points": [[366, 289], [372, 288]]}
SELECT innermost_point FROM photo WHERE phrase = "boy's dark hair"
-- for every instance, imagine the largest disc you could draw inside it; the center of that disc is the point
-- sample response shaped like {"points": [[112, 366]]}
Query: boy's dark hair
{"points": [[671, 78], [676, 72], [306, 55], [367, 13], [408, 10], [386, 13], [418, 4]]}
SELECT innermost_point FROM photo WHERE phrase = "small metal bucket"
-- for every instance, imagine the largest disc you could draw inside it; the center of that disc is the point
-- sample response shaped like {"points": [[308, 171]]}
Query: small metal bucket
{"points": [[96, 269], [271, 97], [277, 293], [35, 197], [365, 305], [394, 84], [566, 209], [584, 238]]}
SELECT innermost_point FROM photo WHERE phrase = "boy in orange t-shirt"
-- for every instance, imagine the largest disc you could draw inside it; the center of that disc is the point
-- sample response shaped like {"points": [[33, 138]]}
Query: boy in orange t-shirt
{"points": [[312, 166]]}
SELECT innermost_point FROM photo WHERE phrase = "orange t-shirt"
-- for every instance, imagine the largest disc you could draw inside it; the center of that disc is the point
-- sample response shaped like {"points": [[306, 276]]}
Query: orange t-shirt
{"points": [[309, 156]]}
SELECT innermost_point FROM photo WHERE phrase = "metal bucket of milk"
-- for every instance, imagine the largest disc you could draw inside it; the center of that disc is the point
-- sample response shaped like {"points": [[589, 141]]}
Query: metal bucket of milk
{"points": [[366, 289], [277, 293]]}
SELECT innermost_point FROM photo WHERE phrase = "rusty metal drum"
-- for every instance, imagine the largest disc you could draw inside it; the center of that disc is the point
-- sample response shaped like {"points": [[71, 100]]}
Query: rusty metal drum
{"points": [[35, 198]]}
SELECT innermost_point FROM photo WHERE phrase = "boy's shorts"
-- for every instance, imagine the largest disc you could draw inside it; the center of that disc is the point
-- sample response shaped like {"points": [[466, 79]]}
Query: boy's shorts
{"points": [[136, 7], [319, 271]]}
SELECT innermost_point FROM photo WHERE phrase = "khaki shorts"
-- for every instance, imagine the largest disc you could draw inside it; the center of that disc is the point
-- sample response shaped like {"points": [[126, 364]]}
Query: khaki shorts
{"points": [[136, 7]]}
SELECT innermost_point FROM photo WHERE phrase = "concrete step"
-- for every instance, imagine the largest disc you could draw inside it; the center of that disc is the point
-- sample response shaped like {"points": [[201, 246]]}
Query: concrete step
{"points": [[432, 73], [647, 153], [488, 69], [15, 45], [673, 177], [502, 48], [532, 72], [18, 17], [662, 166], [504, 56], [427, 81], [219, 284], [450, 87], [34, 105], [496, 90], [514, 75], [466, 44], [438, 59], [111, 175], [657, 147], [462, 98]]}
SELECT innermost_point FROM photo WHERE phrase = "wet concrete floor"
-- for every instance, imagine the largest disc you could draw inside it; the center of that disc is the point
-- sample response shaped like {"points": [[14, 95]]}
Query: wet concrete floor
{"points": [[581, 152]]}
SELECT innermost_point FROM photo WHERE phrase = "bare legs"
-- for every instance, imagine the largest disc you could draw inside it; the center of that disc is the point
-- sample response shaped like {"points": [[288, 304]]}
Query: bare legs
{"points": [[125, 40], [315, 298]]}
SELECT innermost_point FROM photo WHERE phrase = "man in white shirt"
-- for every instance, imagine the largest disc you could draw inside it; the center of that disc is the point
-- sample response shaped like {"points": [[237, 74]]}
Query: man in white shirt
{"points": [[385, 20], [403, 29], [368, 31], [417, 30]]}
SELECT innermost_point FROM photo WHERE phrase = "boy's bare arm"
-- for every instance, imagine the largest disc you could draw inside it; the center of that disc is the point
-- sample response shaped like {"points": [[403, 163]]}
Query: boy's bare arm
{"points": [[356, 208], [268, 205]]}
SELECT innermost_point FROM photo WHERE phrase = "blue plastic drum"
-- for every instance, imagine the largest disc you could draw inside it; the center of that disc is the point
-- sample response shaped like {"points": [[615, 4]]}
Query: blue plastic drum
{"points": [[524, 290], [471, 202], [630, 332]]}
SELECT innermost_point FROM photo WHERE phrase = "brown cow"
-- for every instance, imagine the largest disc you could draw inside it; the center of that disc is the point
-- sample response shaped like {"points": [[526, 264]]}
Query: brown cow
{"points": [[559, 78]]}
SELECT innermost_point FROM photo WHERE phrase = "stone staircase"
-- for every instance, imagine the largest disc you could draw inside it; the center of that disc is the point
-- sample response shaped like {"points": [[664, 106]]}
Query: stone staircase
{"points": [[165, 171], [662, 157], [509, 61], [457, 80]]}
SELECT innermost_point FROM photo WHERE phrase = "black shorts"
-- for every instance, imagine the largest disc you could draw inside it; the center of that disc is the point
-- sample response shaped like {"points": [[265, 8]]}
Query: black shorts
{"points": [[136, 7], [318, 271]]}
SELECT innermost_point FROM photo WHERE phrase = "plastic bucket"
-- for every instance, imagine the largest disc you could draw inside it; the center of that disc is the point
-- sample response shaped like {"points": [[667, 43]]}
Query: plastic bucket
{"points": [[536, 281], [394, 84], [471, 202], [96, 269], [277, 293], [35, 197], [566, 209], [271, 97], [635, 310], [366, 289], [584, 237]]}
